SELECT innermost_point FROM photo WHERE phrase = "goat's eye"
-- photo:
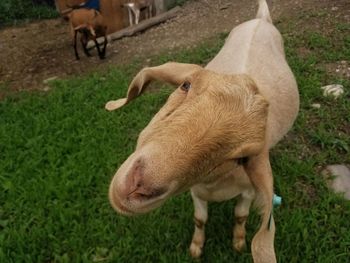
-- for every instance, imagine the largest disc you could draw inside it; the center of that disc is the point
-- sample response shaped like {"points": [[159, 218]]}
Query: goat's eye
{"points": [[186, 86]]}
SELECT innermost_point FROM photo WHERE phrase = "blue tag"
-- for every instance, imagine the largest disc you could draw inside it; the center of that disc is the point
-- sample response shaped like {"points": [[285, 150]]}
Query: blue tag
{"points": [[276, 201]]}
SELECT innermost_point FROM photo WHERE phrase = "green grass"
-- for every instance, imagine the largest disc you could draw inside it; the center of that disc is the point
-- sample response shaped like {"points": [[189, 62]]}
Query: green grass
{"points": [[17, 11], [59, 150]]}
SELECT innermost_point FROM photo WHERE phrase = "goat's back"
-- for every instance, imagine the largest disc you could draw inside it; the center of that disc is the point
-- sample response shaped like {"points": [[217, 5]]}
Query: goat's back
{"points": [[85, 16], [256, 48]]}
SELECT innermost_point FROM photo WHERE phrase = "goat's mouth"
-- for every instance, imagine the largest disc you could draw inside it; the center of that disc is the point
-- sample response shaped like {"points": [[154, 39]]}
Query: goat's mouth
{"points": [[143, 183], [135, 203], [117, 205]]}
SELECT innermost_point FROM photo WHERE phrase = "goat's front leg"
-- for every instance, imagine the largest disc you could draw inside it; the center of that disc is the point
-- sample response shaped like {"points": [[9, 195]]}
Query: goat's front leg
{"points": [[100, 53], [75, 45], [200, 218], [259, 171], [103, 53], [137, 16], [84, 42], [134, 12], [241, 215], [150, 11], [130, 17]]}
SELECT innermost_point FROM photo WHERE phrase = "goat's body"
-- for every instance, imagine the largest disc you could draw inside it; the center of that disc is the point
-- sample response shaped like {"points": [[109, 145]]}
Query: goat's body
{"points": [[214, 134], [226, 187], [256, 48], [89, 23]]}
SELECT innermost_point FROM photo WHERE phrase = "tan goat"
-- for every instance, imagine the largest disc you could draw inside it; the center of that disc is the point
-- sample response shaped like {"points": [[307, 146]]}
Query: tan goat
{"points": [[214, 134], [89, 23]]}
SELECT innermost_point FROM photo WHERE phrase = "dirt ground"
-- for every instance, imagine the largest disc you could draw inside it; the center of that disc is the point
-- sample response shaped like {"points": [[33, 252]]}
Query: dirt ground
{"points": [[37, 51]]}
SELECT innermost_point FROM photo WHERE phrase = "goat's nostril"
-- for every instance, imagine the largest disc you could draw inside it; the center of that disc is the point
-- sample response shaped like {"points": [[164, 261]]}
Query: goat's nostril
{"points": [[142, 196], [134, 179], [145, 194]]}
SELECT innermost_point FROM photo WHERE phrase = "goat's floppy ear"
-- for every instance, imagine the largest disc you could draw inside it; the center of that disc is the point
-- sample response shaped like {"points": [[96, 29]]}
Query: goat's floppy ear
{"points": [[172, 73], [251, 134]]}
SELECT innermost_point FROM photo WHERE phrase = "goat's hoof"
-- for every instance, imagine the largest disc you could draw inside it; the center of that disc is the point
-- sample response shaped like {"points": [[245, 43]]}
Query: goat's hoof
{"points": [[239, 244], [195, 250]]}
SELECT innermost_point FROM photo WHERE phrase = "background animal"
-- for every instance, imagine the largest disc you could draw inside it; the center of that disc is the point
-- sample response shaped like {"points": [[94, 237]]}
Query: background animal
{"points": [[89, 23], [214, 134], [135, 7]]}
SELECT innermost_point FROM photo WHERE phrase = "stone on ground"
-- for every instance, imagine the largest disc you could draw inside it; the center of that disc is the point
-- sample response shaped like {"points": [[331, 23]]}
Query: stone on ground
{"points": [[338, 178]]}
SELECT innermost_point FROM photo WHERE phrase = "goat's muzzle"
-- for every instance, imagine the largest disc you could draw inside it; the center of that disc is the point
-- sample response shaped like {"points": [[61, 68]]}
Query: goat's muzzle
{"points": [[136, 189]]}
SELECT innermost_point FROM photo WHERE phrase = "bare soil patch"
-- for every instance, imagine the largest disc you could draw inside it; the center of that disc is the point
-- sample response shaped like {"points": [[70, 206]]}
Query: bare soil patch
{"points": [[34, 52]]}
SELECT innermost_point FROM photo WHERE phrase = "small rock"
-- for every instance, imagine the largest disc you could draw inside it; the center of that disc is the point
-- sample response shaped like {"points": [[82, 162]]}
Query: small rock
{"points": [[338, 178], [46, 81], [46, 88], [334, 90], [316, 105], [335, 8], [225, 6]]}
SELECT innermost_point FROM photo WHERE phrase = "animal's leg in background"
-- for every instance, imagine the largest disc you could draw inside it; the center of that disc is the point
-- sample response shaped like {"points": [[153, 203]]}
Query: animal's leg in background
{"points": [[133, 11], [259, 171], [75, 44], [98, 49], [103, 54], [148, 13], [130, 16], [137, 16], [150, 10], [241, 215], [84, 42], [200, 218]]}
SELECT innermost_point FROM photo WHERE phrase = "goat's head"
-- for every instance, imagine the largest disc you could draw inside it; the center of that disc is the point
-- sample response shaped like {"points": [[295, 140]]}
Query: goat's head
{"points": [[208, 122]]}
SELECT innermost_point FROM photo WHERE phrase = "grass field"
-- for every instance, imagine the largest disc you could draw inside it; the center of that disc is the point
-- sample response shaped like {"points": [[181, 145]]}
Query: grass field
{"points": [[13, 12], [59, 150]]}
